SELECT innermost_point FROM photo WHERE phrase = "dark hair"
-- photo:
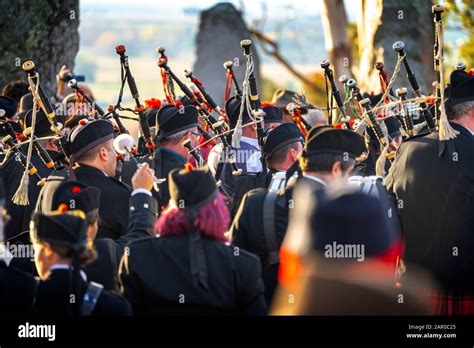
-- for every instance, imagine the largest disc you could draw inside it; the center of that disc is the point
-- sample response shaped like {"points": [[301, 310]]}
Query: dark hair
{"points": [[92, 217], [324, 162], [86, 256], [280, 154], [16, 90]]}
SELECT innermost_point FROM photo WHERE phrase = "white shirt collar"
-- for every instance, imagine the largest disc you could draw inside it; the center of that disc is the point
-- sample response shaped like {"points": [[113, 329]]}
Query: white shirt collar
{"points": [[5, 254], [53, 267], [315, 178], [250, 141]]}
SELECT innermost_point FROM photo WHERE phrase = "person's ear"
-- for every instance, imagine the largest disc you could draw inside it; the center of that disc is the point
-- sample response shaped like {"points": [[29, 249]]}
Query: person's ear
{"points": [[293, 155], [185, 136], [47, 250], [103, 154], [336, 168], [92, 230], [52, 144]]}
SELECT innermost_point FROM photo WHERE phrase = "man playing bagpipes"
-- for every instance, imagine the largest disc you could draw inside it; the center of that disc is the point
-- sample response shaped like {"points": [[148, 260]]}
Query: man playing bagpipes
{"points": [[244, 152], [93, 162], [282, 146], [329, 155], [176, 125], [433, 180]]}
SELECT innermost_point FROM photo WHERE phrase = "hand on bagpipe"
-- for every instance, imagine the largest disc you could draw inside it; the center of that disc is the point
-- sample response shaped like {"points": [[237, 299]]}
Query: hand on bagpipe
{"points": [[124, 145]]}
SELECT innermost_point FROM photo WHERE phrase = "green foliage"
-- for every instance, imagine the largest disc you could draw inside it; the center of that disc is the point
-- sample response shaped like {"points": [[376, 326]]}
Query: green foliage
{"points": [[462, 11], [267, 88], [316, 94], [466, 51], [353, 39]]}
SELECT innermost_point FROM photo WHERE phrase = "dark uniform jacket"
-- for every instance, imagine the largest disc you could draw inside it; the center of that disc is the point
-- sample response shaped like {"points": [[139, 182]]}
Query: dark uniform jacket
{"points": [[164, 162], [104, 270], [17, 291], [114, 198], [247, 229], [53, 297], [436, 204], [156, 278], [246, 183], [19, 222], [12, 172]]}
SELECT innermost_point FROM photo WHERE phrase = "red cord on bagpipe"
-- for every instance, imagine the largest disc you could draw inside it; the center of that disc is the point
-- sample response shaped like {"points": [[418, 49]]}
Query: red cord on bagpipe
{"points": [[297, 120], [164, 77], [228, 85]]}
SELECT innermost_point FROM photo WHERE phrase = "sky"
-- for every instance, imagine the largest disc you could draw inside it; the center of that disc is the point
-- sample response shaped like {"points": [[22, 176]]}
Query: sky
{"points": [[174, 8]]}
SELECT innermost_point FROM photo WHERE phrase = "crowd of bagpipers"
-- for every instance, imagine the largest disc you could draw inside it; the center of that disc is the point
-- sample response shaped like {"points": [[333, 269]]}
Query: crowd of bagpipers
{"points": [[269, 208]]}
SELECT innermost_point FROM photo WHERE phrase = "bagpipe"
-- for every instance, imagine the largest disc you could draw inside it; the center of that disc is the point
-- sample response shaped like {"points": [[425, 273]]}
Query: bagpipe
{"points": [[204, 106], [334, 95], [21, 146], [346, 108], [72, 83], [231, 79], [295, 112], [398, 105], [399, 47], [97, 111], [139, 108], [210, 104], [354, 111], [250, 97], [196, 100]]}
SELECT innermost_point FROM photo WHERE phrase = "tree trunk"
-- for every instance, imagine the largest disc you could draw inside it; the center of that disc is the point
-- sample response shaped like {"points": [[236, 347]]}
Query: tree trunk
{"points": [[384, 22], [39, 30], [333, 16]]}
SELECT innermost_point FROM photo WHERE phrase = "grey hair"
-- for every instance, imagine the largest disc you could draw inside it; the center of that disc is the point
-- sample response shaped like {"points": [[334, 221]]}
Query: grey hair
{"points": [[315, 118], [461, 110], [175, 138]]}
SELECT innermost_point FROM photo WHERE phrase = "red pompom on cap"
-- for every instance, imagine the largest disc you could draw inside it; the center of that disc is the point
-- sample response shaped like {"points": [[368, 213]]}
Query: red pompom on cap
{"points": [[153, 103], [63, 208], [188, 167]]}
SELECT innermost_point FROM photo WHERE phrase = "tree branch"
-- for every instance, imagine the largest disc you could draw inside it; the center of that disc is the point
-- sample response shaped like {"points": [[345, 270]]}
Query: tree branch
{"points": [[275, 53]]}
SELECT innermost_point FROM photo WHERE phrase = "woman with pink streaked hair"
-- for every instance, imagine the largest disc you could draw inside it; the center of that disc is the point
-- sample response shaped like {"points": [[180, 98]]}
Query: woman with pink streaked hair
{"points": [[191, 268]]}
